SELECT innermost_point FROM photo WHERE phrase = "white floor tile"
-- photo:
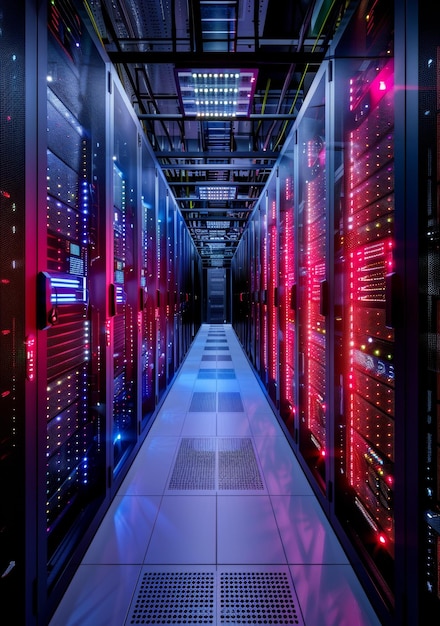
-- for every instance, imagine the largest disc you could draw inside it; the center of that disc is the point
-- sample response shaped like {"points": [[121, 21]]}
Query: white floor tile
{"points": [[282, 472], [184, 531], [306, 534], [124, 534], [247, 532], [149, 472], [169, 422], [233, 424], [99, 595], [331, 595], [199, 424]]}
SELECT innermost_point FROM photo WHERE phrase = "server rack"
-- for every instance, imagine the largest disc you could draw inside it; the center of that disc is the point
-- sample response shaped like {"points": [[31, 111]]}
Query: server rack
{"points": [[79, 288], [171, 290], [358, 226], [147, 292], [287, 295], [273, 289], [121, 324], [18, 365], [365, 357], [255, 272], [239, 295], [161, 287], [263, 255], [424, 43], [69, 309], [312, 293]]}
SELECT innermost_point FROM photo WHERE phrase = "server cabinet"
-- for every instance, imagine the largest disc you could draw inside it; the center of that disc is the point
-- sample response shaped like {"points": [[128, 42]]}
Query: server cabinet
{"points": [[190, 319], [312, 224], [424, 44], [273, 289], [255, 271], [147, 286], [122, 322], [179, 252], [171, 289], [70, 306], [287, 294], [365, 371], [161, 286], [241, 301], [186, 288], [18, 341], [263, 289]]}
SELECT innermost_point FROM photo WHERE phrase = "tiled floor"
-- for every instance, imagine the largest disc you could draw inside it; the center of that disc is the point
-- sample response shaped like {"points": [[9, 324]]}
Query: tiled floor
{"points": [[215, 522]]}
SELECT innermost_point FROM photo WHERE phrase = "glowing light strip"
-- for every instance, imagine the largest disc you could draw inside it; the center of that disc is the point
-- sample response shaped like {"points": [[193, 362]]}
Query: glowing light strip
{"points": [[274, 277], [68, 289]]}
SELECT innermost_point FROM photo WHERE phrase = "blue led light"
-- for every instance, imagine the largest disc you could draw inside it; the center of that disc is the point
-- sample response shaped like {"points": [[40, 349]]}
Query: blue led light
{"points": [[68, 289]]}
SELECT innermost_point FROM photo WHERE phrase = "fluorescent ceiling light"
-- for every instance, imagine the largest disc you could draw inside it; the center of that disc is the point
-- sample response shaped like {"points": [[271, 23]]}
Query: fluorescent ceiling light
{"points": [[216, 93], [207, 192]]}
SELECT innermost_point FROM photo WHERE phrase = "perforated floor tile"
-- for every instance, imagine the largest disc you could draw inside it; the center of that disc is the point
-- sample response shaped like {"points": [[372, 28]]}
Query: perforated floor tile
{"points": [[226, 373], [195, 465], [208, 463], [224, 357], [223, 374], [216, 347], [203, 401], [174, 598], [230, 402], [237, 465], [257, 598], [209, 357], [207, 373], [220, 597]]}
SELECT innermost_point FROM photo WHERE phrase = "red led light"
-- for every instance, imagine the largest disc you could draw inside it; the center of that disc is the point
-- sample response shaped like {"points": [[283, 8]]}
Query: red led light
{"points": [[107, 332], [30, 344], [382, 539]]}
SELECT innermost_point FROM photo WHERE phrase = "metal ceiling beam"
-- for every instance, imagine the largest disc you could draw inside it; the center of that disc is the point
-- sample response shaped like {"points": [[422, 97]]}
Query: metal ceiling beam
{"points": [[214, 183], [227, 213], [257, 154], [197, 199], [216, 166], [218, 118], [219, 60]]}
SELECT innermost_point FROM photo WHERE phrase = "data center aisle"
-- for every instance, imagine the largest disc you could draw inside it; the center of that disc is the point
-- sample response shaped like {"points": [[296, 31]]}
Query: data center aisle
{"points": [[215, 522]]}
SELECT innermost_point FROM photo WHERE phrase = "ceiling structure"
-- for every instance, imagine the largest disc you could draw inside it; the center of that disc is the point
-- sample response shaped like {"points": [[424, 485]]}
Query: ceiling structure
{"points": [[216, 86]]}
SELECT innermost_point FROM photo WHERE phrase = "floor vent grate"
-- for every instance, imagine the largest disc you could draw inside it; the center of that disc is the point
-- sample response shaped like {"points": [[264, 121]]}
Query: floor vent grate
{"points": [[223, 374], [237, 465], [207, 374], [208, 463], [174, 598], [257, 598], [204, 401], [195, 465], [230, 402], [226, 373]]}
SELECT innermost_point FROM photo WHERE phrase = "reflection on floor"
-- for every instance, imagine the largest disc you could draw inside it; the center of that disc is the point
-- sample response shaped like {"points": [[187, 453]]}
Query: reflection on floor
{"points": [[215, 522]]}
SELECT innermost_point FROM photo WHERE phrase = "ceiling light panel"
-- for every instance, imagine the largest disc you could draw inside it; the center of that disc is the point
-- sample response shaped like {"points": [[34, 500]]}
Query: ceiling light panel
{"points": [[219, 93], [207, 192]]}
